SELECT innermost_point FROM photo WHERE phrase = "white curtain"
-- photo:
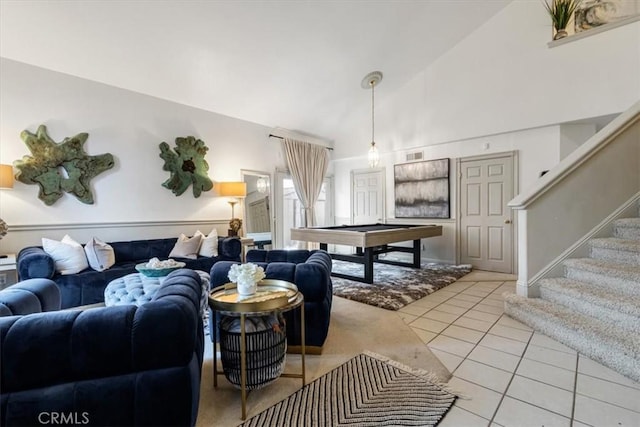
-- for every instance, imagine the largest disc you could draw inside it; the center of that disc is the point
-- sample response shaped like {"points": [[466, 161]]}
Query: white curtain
{"points": [[308, 164]]}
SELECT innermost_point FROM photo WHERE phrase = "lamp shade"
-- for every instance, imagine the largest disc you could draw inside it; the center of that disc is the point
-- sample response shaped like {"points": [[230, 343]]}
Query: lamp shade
{"points": [[6, 176], [231, 189]]}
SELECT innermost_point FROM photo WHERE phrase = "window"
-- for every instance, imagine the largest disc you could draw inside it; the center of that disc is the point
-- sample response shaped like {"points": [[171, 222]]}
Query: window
{"points": [[289, 212]]}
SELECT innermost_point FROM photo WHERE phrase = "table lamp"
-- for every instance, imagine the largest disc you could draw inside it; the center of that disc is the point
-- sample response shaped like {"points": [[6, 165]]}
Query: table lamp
{"points": [[233, 190], [6, 181]]}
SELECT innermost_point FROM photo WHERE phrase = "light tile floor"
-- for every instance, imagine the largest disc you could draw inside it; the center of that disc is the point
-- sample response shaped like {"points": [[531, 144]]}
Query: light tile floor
{"points": [[508, 374]]}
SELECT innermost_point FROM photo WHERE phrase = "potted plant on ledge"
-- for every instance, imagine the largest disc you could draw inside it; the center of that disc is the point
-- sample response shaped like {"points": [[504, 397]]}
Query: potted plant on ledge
{"points": [[561, 12]]}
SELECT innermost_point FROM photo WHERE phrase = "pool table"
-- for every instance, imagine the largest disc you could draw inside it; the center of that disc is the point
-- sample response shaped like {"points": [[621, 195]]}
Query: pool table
{"points": [[370, 241]]}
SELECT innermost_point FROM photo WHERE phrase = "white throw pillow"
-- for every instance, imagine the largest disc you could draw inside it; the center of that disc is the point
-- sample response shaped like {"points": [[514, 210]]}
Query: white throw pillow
{"points": [[209, 244], [99, 254], [186, 247], [68, 255]]}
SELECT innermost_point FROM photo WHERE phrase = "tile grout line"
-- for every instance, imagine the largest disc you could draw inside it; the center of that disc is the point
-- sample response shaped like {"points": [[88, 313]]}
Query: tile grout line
{"points": [[513, 374], [472, 413], [437, 334], [528, 345], [493, 417], [610, 381], [459, 316], [466, 308], [575, 389], [606, 403], [575, 393], [515, 398], [485, 333]]}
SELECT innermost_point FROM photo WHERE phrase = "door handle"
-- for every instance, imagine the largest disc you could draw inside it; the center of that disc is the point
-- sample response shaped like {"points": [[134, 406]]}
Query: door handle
{"points": [[507, 221]]}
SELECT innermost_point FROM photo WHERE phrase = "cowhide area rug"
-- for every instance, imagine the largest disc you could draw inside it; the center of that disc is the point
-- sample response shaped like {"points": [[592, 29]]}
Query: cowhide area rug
{"points": [[394, 286]]}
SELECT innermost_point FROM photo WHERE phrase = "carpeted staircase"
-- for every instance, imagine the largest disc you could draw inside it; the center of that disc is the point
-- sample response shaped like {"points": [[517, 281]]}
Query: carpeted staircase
{"points": [[595, 308]]}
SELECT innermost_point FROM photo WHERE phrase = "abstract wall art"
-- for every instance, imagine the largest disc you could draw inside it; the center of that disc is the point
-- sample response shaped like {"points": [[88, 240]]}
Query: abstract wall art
{"points": [[60, 167], [422, 189], [187, 166]]}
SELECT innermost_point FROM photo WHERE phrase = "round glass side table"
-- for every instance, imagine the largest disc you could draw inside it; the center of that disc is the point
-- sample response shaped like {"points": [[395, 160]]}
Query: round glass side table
{"points": [[272, 295]]}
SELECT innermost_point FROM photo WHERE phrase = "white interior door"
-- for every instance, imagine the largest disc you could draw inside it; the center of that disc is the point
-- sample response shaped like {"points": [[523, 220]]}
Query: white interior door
{"points": [[258, 217], [486, 223], [367, 196]]}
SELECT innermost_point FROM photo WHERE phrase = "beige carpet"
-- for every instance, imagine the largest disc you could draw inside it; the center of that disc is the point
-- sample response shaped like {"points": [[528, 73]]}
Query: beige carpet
{"points": [[355, 327]]}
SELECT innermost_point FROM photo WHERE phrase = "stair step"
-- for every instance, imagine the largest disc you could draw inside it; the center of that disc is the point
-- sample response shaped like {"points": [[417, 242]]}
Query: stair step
{"points": [[603, 342], [627, 228], [593, 300], [621, 278], [624, 251]]}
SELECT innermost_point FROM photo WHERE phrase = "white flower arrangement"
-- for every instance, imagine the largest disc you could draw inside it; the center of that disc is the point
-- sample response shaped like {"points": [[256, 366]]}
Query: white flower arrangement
{"points": [[243, 273], [156, 263]]}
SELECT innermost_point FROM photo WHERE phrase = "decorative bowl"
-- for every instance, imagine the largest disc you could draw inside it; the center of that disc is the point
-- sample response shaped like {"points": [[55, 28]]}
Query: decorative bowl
{"points": [[158, 272]]}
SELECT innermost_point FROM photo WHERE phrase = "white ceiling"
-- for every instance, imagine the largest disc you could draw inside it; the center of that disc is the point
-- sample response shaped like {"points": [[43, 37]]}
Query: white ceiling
{"points": [[291, 64]]}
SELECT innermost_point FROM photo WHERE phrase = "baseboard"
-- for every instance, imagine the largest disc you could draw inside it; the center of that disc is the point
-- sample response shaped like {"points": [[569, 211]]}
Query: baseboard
{"points": [[439, 261]]}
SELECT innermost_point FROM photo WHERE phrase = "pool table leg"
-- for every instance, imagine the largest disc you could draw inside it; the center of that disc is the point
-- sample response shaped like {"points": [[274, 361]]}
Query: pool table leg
{"points": [[416, 253], [368, 265]]}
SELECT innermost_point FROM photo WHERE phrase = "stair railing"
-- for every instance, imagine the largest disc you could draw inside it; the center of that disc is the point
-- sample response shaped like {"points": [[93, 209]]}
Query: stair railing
{"points": [[575, 196]]}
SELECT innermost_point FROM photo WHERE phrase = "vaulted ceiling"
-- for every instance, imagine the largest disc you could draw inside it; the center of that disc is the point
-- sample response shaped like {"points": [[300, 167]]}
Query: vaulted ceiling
{"points": [[291, 64]]}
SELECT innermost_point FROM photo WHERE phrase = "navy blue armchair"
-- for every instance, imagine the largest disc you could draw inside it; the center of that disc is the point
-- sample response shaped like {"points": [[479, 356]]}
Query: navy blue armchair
{"points": [[30, 296], [310, 271], [117, 366]]}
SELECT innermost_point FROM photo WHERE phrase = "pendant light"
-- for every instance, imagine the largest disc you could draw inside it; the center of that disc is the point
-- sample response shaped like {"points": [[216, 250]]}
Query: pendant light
{"points": [[369, 82], [262, 185]]}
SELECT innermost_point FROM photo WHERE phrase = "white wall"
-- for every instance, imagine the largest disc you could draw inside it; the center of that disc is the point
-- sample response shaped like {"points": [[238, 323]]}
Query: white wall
{"points": [[504, 78], [501, 86], [130, 126], [574, 135], [538, 150]]}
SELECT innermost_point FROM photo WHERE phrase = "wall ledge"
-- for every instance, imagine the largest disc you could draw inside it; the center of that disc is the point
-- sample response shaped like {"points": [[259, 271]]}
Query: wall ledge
{"points": [[593, 31], [13, 228]]}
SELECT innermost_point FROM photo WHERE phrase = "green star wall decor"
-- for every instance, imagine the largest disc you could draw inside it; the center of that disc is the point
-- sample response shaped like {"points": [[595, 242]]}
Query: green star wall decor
{"points": [[44, 168], [187, 166]]}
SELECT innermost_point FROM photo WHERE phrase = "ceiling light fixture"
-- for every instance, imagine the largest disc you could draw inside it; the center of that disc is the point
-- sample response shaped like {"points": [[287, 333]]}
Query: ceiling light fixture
{"points": [[369, 82], [262, 185]]}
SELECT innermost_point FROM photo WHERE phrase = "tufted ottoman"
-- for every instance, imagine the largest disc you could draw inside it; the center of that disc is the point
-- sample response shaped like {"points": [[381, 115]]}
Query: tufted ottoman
{"points": [[138, 289]]}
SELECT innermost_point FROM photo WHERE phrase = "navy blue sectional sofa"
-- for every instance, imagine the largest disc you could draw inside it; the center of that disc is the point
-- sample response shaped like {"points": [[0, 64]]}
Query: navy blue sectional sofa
{"points": [[115, 366], [310, 271], [87, 287]]}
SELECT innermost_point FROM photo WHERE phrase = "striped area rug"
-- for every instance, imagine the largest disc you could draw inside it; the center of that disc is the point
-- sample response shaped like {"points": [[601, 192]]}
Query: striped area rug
{"points": [[368, 390]]}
